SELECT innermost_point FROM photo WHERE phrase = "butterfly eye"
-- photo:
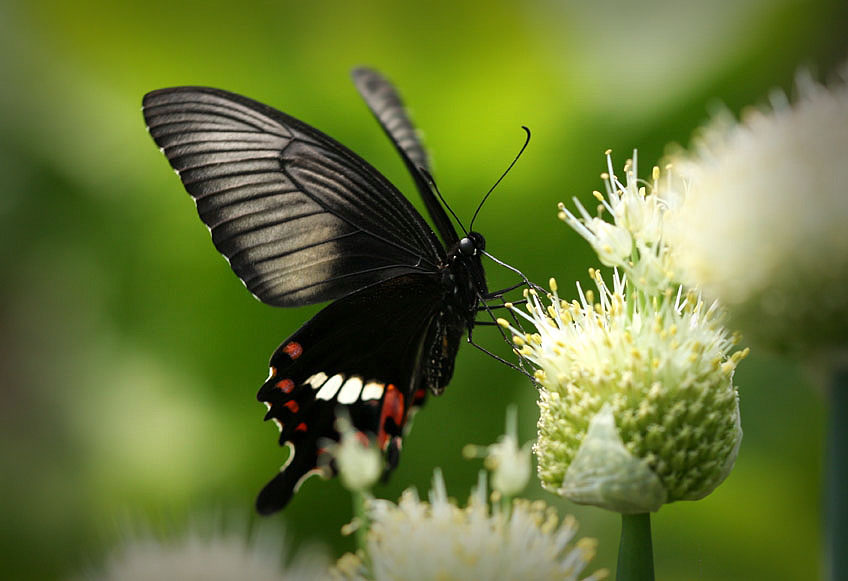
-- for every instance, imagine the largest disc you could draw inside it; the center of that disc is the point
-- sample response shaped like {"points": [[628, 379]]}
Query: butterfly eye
{"points": [[467, 247]]}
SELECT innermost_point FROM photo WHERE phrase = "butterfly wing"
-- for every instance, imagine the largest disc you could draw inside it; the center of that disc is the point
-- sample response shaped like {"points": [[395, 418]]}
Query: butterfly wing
{"points": [[300, 218], [386, 105], [369, 354]]}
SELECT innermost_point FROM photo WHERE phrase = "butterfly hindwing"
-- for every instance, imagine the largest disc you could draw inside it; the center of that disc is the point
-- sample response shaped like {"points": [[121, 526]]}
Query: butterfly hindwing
{"points": [[300, 217], [367, 354]]}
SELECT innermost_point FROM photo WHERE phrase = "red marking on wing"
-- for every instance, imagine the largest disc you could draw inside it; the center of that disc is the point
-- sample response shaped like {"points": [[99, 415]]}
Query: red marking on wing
{"points": [[392, 408], [301, 427], [292, 405], [293, 349], [286, 385]]}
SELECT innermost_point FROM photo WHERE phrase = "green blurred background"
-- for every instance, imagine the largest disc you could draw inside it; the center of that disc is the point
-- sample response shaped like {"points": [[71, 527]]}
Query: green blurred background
{"points": [[131, 354]]}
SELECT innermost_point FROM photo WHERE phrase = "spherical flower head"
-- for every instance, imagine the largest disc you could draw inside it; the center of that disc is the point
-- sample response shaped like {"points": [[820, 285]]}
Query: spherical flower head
{"points": [[638, 406], [415, 539], [508, 462], [762, 224]]}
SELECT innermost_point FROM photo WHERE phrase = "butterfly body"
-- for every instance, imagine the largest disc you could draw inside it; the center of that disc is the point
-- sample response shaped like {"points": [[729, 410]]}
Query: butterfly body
{"points": [[302, 219]]}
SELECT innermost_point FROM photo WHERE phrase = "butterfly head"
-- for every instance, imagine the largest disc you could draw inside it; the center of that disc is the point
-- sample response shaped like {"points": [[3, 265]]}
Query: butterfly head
{"points": [[465, 276], [472, 244]]}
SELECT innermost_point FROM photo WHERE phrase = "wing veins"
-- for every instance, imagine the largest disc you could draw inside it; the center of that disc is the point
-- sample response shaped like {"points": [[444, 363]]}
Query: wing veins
{"points": [[271, 155], [207, 178], [220, 107], [397, 212], [346, 275], [391, 243]]}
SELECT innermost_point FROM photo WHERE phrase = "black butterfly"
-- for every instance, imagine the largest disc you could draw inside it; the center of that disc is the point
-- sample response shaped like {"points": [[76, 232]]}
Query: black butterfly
{"points": [[302, 219]]}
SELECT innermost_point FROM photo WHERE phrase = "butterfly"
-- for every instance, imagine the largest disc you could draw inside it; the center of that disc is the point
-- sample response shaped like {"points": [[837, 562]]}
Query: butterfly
{"points": [[301, 219]]}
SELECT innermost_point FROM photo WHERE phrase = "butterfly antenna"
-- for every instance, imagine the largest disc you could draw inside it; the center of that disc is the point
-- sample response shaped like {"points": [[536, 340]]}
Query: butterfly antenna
{"points": [[432, 183], [503, 175]]}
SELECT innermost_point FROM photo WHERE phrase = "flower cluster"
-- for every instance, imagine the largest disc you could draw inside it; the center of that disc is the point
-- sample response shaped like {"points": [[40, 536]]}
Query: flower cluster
{"points": [[633, 241], [638, 406], [762, 220], [213, 555], [416, 539]]}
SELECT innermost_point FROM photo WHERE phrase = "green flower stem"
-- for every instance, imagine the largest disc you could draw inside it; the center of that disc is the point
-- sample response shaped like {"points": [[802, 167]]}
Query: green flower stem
{"points": [[836, 514], [635, 552], [360, 514]]}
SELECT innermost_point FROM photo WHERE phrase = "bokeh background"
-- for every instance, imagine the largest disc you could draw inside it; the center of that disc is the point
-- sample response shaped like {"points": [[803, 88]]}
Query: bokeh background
{"points": [[130, 354]]}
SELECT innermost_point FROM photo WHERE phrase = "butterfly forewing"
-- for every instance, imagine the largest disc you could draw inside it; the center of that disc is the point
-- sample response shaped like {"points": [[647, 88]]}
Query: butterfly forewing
{"points": [[300, 218], [387, 106]]}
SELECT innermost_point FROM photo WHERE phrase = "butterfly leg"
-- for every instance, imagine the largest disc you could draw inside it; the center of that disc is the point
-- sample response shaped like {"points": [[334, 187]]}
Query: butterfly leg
{"points": [[526, 280], [484, 306], [499, 293], [509, 364], [503, 306]]}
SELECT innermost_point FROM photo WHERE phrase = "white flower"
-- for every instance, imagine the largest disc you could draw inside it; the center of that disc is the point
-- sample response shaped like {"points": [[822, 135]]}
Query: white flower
{"points": [[763, 220], [509, 464], [211, 557], [358, 459], [638, 406], [416, 540], [637, 401], [633, 241]]}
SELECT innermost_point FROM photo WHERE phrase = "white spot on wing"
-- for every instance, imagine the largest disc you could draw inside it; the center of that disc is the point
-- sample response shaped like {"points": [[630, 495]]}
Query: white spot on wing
{"points": [[278, 423], [292, 450], [328, 391], [267, 405], [372, 390], [317, 380], [313, 472], [350, 390], [270, 374]]}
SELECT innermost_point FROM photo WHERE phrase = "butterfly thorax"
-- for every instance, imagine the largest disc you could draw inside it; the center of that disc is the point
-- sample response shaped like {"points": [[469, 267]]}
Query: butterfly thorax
{"points": [[464, 282], [465, 275]]}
